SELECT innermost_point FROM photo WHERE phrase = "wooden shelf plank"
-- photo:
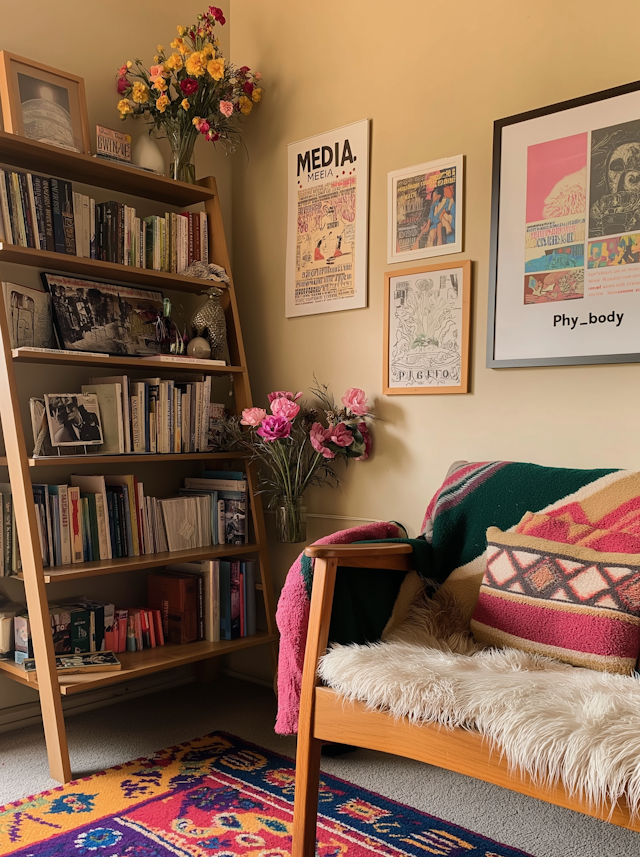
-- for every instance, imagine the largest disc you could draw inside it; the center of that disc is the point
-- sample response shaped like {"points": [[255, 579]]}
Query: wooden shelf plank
{"points": [[129, 458], [3, 461], [108, 361], [75, 265], [137, 664], [41, 158], [101, 567]]}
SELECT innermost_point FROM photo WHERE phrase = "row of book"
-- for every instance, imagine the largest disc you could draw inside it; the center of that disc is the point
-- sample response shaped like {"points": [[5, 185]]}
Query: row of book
{"points": [[47, 214], [189, 602], [149, 415], [109, 516]]}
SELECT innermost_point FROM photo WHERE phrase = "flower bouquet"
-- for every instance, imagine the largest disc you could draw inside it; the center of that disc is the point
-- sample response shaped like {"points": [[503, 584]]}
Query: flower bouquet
{"points": [[295, 449], [192, 91]]}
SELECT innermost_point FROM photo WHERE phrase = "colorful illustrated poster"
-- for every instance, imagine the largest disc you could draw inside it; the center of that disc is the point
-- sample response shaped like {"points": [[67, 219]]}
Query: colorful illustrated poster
{"points": [[425, 210], [327, 222], [567, 242], [427, 329]]}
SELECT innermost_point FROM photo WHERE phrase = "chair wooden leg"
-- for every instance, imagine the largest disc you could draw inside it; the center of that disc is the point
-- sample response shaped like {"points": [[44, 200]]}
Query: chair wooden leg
{"points": [[305, 810]]}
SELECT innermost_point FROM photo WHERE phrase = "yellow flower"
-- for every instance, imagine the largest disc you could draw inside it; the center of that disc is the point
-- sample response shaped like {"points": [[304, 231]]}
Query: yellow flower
{"points": [[196, 120], [245, 105], [185, 104], [160, 84], [174, 62], [256, 95], [124, 106], [160, 49], [157, 59], [208, 50], [195, 64], [140, 93], [181, 45], [215, 67], [129, 63], [181, 31], [162, 103]]}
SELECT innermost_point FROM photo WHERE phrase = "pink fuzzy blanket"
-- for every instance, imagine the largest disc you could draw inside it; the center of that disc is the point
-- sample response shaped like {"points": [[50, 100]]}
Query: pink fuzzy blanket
{"points": [[292, 618]]}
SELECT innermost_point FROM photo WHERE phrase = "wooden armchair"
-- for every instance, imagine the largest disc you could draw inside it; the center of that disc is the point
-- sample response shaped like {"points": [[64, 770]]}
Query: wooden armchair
{"points": [[326, 716]]}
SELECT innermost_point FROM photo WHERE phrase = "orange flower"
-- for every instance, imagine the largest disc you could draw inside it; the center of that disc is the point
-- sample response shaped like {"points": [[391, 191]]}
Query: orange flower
{"points": [[215, 67], [195, 64], [162, 103]]}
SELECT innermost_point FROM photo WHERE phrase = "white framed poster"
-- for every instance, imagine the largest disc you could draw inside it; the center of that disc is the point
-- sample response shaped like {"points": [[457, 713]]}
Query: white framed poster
{"points": [[426, 329], [425, 210], [565, 234], [327, 221]]}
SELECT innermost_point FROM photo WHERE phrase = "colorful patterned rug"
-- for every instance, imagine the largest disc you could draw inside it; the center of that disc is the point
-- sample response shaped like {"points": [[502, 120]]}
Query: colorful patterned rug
{"points": [[220, 795]]}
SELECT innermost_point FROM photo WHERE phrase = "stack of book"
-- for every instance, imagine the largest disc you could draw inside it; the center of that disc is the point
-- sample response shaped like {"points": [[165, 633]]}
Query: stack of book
{"points": [[149, 415], [106, 517], [47, 214]]}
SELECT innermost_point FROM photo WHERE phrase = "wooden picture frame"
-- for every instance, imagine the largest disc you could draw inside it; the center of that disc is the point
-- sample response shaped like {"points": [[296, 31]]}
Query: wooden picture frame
{"points": [[425, 210], [564, 280], [414, 300], [58, 117]]}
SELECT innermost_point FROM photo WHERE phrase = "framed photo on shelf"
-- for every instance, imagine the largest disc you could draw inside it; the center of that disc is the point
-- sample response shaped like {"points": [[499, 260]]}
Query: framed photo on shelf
{"points": [[29, 316], [426, 329], [74, 419], [109, 319], [425, 210], [564, 285], [43, 103]]}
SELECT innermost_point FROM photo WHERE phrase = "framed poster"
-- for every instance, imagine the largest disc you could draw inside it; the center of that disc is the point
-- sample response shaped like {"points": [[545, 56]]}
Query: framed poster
{"points": [[426, 329], [327, 221], [565, 242], [43, 103], [425, 210]]}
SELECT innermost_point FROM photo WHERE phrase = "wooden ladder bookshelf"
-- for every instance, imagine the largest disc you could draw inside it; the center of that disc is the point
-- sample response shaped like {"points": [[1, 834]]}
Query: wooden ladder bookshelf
{"points": [[37, 157]]}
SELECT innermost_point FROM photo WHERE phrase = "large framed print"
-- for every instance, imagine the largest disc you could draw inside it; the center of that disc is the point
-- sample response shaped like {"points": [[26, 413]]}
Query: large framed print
{"points": [[425, 210], [426, 329], [565, 243], [43, 103], [327, 221]]}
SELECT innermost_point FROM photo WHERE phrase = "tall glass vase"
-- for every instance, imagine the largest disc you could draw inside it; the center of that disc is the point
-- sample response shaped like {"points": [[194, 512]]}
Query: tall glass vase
{"points": [[291, 519], [181, 166]]}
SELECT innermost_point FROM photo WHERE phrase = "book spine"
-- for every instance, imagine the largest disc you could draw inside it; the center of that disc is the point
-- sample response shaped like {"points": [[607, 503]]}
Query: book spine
{"points": [[64, 524], [197, 253], [75, 524], [86, 226], [33, 214], [38, 183], [26, 209], [76, 199], [204, 223], [250, 599], [16, 203], [67, 217], [92, 229], [56, 215], [6, 214], [103, 527], [135, 425]]}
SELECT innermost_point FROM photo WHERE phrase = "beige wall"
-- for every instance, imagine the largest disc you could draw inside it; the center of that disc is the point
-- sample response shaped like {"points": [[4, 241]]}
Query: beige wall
{"points": [[432, 77]]}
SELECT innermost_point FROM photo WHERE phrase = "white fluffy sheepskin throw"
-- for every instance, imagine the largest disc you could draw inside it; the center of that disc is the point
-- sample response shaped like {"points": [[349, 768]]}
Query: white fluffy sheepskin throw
{"points": [[556, 722]]}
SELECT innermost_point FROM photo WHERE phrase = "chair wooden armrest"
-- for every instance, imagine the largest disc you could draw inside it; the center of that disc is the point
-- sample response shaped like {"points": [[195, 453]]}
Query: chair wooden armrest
{"points": [[392, 556]]}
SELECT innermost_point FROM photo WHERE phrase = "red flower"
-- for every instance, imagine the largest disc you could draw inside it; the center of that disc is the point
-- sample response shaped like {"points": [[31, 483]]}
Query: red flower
{"points": [[274, 428], [189, 85], [217, 14], [248, 87], [123, 85], [244, 69]]}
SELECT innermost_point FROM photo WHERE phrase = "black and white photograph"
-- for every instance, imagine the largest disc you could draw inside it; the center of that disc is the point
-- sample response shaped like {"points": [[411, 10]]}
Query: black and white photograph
{"points": [[28, 316], [74, 418], [109, 319], [615, 180]]}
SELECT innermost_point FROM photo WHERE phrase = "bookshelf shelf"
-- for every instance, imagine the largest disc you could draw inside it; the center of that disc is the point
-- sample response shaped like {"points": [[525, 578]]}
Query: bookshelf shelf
{"points": [[38, 157], [137, 664], [96, 269], [141, 563], [107, 361], [129, 458]]}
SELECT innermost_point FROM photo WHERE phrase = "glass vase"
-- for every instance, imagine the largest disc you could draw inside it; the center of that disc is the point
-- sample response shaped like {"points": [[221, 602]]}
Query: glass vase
{"points": [[291, 519], [181, 166]]}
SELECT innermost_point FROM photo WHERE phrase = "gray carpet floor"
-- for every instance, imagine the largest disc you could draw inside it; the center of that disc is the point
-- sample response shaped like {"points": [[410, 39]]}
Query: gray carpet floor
{"points": [[138, 727]]}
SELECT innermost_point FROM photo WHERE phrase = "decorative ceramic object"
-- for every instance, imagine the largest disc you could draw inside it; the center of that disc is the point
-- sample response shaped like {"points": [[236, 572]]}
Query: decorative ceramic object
{"points": [[209, 321], [146, 153], [199, 347]]}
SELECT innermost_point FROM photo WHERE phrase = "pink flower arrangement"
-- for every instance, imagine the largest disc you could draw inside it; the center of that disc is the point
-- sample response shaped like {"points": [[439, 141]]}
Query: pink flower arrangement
{"points": [[295, 449]]}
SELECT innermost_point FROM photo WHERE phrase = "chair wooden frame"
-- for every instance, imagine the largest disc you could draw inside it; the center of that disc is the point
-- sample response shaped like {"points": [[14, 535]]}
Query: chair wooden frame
{"points": [[327, 716]]}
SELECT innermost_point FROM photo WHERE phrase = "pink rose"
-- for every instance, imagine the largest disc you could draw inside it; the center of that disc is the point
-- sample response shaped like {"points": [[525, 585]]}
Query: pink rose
{"points": [[318, 436], [274, 428], [340, 435], [258, 75], [203, 126], [283, 407], [156, 71], [123, 85], [226, 108], [122, 70], [252, 416], [368, 441], [356, 401], [284, 394]]}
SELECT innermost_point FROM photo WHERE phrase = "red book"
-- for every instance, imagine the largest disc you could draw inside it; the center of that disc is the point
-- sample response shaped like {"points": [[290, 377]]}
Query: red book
{"points": [[122, 617], [152, 631], [157, 627]]}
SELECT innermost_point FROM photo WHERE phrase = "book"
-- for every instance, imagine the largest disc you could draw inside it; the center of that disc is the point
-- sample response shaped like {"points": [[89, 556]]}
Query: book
{"points": [[96, 485], [80, 663], [123, 381], [109, 398], [179, 591], [75, 524], [184, 360], [250, 571]]}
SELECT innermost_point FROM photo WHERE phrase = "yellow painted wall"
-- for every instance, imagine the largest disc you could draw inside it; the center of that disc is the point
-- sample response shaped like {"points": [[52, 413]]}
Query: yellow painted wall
{"points": [[432, 77]]}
